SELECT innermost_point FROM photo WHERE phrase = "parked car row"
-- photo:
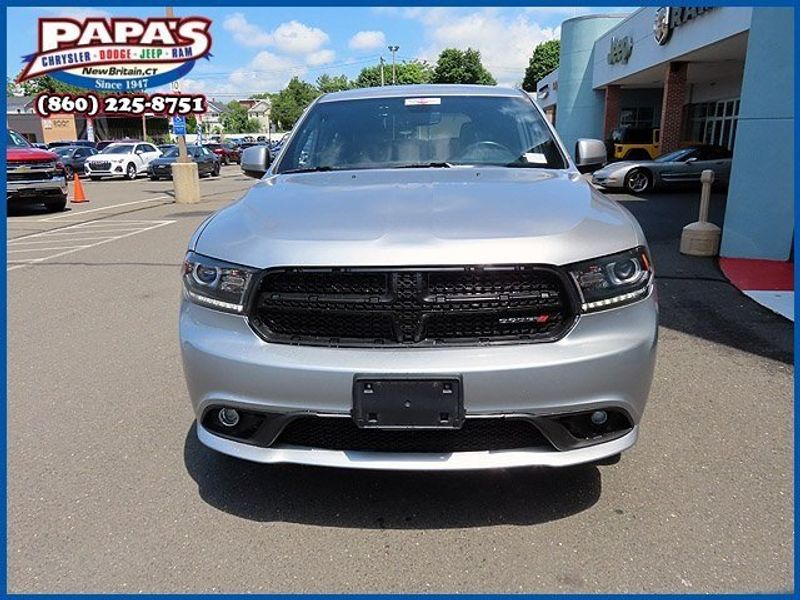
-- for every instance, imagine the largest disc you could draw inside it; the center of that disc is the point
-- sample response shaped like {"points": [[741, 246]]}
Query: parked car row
{"points": [[37, 175], [130, 159]]}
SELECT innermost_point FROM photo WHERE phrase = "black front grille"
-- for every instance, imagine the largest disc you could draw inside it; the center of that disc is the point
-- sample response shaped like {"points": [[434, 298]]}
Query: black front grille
{"points": [[331, 433], [412, 307], [101, 166], [29, 176]]}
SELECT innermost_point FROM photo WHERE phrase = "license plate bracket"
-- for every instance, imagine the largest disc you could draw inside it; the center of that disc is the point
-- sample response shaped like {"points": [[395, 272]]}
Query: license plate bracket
{"points": [[409, 402]]}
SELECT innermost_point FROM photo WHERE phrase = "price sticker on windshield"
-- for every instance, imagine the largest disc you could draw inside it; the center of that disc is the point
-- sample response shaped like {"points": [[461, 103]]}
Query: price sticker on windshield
{"points": [[423, 101]]}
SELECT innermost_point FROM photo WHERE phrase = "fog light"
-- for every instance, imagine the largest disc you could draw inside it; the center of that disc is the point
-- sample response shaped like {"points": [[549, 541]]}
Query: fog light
{"points": [[599, 417], [229, 417]]}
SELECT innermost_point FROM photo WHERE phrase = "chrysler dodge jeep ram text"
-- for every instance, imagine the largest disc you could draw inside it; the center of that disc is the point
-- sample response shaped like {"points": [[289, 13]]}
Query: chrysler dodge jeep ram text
{"points": [[422, 279], [33, 176]]}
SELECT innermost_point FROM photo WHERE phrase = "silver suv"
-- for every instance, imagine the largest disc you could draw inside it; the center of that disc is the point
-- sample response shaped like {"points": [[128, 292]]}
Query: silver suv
{"points": [[421, 280]]}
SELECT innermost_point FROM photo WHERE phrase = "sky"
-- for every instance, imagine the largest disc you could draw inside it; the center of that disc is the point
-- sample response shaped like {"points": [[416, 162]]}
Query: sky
{"points": [[259, 49]]}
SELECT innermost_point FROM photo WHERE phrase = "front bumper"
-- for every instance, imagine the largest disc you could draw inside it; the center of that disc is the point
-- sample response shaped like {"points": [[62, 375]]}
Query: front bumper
{"points": [[609, 181], [607, 360], [32, 191], [160, 171], [456, 461], [115, 170]]}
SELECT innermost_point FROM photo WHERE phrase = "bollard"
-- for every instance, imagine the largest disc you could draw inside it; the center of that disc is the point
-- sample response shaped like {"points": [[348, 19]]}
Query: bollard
{"points": [[702, 238], [186, 182]]}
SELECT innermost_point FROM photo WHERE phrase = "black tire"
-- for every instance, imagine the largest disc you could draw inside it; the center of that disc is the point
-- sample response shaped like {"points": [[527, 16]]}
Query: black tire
{"points": [[226, 161], [130, 171], [69, 172], [154, 178], [638, 181], [215, 171], [56, 205]]}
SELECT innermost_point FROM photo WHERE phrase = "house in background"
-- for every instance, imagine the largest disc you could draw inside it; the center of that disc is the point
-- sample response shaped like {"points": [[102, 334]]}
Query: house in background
{"points": [[260, 111], [16, 105]]}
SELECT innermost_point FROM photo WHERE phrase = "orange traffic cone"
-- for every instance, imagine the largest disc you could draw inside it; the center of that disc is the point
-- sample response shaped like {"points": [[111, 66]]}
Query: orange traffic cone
{"points": [[77, 191]]}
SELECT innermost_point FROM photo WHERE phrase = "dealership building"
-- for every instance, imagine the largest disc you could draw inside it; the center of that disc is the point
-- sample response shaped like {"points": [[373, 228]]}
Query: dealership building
{"points": [[713, 75]]}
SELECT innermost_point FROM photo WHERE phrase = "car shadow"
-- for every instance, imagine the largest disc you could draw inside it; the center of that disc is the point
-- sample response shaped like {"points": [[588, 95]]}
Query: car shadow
{"points": [[388, 500]]}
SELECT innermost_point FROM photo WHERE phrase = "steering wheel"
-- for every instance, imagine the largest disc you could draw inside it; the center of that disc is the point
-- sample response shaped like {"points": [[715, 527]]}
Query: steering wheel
{"points": [[490, 146]]}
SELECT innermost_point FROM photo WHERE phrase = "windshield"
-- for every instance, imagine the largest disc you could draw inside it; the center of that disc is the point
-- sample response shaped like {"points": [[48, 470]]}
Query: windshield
{"points": [[62, 150], [445, 131], [118, 149], [675, 156], [15, 140], [213, 146]]}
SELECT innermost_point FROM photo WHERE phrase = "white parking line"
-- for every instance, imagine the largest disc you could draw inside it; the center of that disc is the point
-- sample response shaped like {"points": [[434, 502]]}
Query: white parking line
{"points": [[62, 242], [92, 210]]}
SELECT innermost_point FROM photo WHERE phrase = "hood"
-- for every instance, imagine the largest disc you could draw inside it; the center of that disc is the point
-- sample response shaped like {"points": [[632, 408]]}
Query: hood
{"points": [[419, 217], [624, 164], [164, 160], [29, 155]]}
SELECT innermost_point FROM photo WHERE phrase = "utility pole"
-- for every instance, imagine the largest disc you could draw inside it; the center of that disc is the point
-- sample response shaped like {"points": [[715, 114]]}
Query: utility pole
{"points": [[184, 171], [393, 50], [183, 155], [383, 81]]}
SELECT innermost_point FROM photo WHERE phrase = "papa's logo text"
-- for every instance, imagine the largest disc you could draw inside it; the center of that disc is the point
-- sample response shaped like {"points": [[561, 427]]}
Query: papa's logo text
{"points": [[118, 54]]}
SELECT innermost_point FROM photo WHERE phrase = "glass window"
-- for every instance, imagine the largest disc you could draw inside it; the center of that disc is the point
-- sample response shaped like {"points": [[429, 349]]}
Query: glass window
{"points": [[15, 140], [378, 133], [118, 149]]}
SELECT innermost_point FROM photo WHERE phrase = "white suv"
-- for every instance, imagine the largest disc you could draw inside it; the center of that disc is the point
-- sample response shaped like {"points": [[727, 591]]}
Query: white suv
{"points": [[122, 160]]}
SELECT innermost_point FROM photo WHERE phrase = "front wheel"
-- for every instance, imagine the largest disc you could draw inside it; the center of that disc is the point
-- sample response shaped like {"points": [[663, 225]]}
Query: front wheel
{"points": [[153, 178], [130, 172], [638, 181]]}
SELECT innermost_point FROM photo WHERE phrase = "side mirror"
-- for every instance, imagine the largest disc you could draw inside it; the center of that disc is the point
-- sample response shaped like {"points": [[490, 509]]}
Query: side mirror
{"points": [[255, 161], [590, 154], [691, 160]]}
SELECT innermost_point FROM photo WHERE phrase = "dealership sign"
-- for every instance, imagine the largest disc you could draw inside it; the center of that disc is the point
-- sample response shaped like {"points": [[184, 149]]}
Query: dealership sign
{"points": [[620, 49], [670, 17], [118, 54]]}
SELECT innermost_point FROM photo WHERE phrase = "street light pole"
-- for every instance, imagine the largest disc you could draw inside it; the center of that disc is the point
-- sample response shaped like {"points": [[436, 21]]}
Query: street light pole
{"points": [[383, 81], [393, 50]]}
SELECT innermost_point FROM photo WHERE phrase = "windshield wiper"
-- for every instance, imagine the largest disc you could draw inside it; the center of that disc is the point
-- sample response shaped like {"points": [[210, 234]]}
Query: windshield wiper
{"points": [[307, 170], [428, 165]]}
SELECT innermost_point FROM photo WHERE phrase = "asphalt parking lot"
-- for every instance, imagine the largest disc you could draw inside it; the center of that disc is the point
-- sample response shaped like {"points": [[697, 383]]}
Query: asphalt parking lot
{"points": [[109, 489]]}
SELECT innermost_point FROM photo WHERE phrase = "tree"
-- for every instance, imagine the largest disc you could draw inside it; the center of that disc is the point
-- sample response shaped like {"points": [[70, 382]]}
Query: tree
{"points": [[461, 66], [235, 119], [327, 83], [46, 83], [543, 61], [407, 73], [290, 102]]}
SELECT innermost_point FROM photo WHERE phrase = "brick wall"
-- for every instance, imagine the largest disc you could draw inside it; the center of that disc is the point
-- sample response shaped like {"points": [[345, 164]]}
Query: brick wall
{"points": [[672, 111], [611, 110]]}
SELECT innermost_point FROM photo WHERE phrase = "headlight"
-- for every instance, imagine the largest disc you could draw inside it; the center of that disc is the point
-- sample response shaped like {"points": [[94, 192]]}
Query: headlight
{"points": [[216, 284], [613, 280]]}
